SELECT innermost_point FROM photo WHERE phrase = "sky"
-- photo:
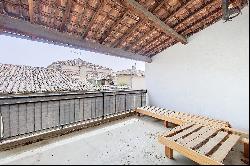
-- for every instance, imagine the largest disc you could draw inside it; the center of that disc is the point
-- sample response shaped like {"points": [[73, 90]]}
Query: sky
{"points": [[37, 54]]}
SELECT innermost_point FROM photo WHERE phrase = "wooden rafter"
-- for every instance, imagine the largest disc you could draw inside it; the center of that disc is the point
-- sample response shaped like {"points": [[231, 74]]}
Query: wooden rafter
{"points": [[157, 5], [126, 35], [217, 18], [154, 38], [184, 5], [115, 24], [31, 10], [198, 10], [149, 32], [143, 37], [199, 20], [66, 15], [141, 11], [90, 24], [55, 37]]}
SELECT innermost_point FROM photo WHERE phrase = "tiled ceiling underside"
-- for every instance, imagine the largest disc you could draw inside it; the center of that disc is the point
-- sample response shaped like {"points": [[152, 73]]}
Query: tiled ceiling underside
{"points": [[111, 23]]}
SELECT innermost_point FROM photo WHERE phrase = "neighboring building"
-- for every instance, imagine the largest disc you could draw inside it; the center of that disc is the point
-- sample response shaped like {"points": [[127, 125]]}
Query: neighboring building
{"points": [[82, 70], [16, 79], [133, 78]]}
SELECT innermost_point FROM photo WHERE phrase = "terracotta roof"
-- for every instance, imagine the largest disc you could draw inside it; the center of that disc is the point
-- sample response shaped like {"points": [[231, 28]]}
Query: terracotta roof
{"points": [[25, 79], [136, 29]]}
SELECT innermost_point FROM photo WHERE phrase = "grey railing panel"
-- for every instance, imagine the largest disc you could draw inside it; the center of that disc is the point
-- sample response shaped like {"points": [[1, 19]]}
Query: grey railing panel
{"points": [[23, 115]]}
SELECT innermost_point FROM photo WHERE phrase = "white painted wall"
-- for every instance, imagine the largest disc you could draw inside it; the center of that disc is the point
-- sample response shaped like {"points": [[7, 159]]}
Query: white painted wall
{"points": [[208, 76]]}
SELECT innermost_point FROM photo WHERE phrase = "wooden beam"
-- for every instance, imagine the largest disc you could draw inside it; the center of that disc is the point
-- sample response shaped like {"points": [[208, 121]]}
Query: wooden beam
{"points": [[31, 11], [141, 11], [66, 15], [115, 24], [169, 153], [198, 10], [145, 35], [48, 35], [148, 44], [217, 10], [184, 5], [86, 30], [127, 34], [157, 6]]}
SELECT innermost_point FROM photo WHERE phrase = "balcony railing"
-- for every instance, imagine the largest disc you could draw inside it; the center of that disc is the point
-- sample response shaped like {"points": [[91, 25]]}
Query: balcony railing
{"points": [[29, 114]]}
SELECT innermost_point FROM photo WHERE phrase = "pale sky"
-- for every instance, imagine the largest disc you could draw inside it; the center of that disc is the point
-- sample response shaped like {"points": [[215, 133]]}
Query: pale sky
{"points": [[24, 52]]}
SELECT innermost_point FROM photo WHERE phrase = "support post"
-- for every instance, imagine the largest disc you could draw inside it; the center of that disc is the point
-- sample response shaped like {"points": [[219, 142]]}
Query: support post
{"points": [[1, 126], [246, 150], [166, 124], [169, 152]]}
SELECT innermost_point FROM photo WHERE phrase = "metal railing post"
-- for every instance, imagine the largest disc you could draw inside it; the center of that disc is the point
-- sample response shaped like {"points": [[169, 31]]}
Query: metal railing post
{"points": [[103, 104], [1, 126]]}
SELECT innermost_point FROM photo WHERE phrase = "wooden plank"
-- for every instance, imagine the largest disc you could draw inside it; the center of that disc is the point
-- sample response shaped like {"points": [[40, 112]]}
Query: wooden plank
{"points": [[184, 133], [66, 15], [127, 34], [30, 118], [52, 36], [6, 120], [205, 149], [93, 19], [225, 148], [193, 136], [14, 128], [139, 9], [22, 119], [178, 129], [38, 116], [108, 31], [197, 141], [191, 154]]}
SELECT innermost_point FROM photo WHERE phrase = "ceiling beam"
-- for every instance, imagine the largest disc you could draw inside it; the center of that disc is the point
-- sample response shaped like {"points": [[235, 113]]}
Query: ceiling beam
{"points": [[196, 11], [92, 20], [127, 34], [31, 11], [141, 11], [183, 5], [53, 36], [200, 19], [141, 38], [108, 31], [66, 15]]}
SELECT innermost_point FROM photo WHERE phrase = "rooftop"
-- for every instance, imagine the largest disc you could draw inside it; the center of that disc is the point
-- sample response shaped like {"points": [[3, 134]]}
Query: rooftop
{"points": [[77, 62], [26, 79]]}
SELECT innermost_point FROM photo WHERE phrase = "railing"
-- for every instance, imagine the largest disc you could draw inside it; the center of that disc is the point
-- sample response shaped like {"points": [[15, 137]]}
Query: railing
{"points": [[24, 115]]}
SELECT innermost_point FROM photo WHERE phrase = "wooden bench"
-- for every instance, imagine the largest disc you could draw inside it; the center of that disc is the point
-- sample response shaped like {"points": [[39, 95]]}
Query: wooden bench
{"points": [[180, 118], [204, 145]]}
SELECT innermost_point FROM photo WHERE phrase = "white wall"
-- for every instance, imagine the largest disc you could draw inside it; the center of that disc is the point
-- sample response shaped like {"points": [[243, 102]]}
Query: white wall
{"points": [[208, 76]]}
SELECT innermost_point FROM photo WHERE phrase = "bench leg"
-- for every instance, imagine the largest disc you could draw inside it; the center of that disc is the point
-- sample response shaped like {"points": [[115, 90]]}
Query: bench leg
{"points": [[166, 124], [169, 153], [246, 150]]}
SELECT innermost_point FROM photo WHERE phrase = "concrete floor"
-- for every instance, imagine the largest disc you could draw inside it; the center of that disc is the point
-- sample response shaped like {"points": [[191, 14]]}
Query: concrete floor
{"points": [[125, 142]]}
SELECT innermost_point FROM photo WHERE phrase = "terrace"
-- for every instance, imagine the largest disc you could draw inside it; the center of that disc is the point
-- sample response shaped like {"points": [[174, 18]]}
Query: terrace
{"points": [[197, 76]]}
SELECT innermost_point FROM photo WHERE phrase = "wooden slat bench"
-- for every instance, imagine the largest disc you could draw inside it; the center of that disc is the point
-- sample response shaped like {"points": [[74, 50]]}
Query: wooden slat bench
{"points": [[180, 118], [204, 145]]}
